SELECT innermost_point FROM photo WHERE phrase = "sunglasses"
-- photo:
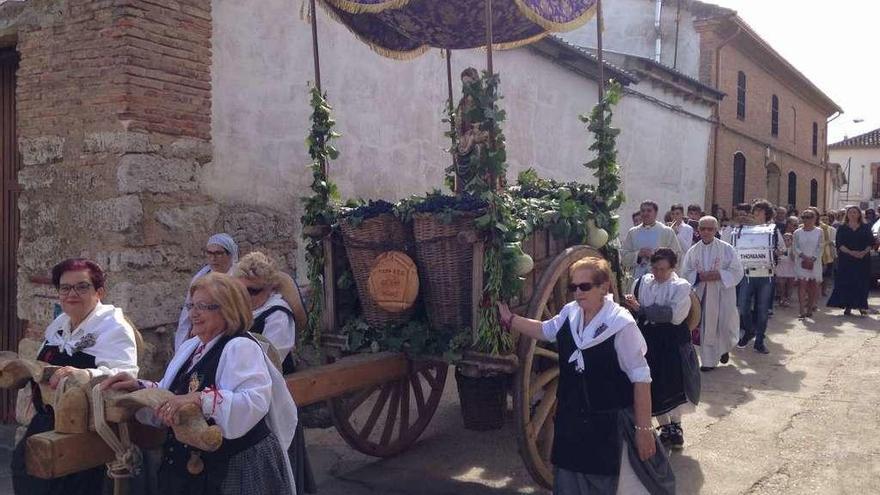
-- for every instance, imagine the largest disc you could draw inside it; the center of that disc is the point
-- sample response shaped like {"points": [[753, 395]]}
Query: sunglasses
{"points": [[255, 290], [584, 287]]}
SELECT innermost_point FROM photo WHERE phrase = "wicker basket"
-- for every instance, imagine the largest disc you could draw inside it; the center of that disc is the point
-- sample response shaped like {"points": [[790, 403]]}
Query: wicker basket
{"points": [[445, 266], [363, 244], [483, 400]]}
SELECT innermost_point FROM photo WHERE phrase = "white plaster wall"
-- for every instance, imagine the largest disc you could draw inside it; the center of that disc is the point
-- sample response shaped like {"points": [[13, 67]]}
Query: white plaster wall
{"points": [[629, 28], [859, 176], [389, 113]]}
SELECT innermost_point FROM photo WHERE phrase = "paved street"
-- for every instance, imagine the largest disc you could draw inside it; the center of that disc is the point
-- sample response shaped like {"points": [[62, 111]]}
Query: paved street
{"points": [[802, 420]]}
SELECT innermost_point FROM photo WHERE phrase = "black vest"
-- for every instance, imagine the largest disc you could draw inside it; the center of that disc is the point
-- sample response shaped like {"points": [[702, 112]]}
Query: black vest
{"points": [[53, 355], [201, 376], [259, 325], [586, 437]]}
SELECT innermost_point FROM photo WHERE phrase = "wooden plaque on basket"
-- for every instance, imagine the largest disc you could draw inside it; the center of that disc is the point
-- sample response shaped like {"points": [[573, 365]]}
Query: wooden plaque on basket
{"points": [[394, 282]]}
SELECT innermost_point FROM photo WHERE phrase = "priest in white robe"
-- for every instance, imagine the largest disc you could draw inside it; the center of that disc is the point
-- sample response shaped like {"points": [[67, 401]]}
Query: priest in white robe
{"points": [[713, 268], [641, 241]]}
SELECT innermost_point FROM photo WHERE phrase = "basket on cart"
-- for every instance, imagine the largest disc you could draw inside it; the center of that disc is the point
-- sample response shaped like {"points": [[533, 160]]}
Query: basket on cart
{"points": [[364, 243], [444, 255]]}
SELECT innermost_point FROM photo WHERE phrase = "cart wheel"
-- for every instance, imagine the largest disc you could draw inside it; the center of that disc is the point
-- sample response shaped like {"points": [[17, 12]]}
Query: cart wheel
{"points": [[384, 420], [534, 392]]}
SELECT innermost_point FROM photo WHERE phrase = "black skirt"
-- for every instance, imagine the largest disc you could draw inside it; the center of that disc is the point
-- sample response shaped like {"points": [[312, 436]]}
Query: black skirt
{"points": [[665, 360]]}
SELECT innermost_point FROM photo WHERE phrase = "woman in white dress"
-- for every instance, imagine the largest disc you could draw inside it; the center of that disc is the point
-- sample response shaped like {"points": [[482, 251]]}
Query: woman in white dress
{"points": [[807, 252]]}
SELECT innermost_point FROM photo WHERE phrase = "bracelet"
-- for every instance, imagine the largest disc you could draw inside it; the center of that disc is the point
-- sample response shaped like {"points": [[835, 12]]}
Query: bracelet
{"points": [[510, 320], [644, 428]]}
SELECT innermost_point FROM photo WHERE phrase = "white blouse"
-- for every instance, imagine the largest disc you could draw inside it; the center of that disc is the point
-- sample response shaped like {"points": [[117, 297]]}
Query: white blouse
{"points": [[808, 243], [104, 334], [675, 293], [280, 328], [629, 344]]}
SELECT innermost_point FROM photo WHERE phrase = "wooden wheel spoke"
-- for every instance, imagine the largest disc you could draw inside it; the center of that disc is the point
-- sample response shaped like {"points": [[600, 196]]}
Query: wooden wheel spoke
{"points": [[432, 381], [417, 392], [391, 418], [546, 353], [543, 410], [545, 439], [404, 407], [377, 410], [358, 399], [547, 314], [542, 380]]}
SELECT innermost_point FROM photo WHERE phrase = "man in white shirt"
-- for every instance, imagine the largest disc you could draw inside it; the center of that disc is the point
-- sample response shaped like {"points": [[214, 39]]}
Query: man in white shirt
{"points": [[642, 240], [683, 231]]}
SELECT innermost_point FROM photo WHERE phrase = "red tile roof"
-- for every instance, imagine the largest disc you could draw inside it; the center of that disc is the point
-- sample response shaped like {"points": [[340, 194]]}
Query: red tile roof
{"points": [[866, 140]]}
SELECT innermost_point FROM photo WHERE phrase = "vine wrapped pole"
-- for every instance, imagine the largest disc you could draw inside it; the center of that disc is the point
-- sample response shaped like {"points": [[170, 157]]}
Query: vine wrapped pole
{"points": [[599, 27], [489, 37]]}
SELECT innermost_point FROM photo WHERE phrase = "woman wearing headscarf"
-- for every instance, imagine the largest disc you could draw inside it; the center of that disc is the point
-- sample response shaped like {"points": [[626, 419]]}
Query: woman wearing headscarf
{"points": [[221, 254], [89, 339], [662, 302], [276, 306], [603, 440], [226, 374]]}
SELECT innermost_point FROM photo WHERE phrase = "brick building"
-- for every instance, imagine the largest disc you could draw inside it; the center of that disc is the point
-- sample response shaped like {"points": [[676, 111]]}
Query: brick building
{"points": [[771, 130]]}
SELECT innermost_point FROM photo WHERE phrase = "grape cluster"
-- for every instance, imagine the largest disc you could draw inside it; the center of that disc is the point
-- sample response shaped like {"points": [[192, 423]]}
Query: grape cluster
{"points": [[371, 210], [439, 203]]}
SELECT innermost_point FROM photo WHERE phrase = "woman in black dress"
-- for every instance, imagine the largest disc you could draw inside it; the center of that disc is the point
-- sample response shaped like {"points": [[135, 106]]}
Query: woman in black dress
{"points": [[853, 279]]}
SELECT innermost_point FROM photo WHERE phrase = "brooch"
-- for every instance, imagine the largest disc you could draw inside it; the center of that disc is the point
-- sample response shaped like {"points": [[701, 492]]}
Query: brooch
{"points": [[195, 382], [87, 341], [601, 329]]}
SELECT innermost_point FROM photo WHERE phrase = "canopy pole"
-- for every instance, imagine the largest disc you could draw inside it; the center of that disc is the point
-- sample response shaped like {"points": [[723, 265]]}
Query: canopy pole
{"points": [[489, 37], [451, 112], [314, 16], [600, 26]]}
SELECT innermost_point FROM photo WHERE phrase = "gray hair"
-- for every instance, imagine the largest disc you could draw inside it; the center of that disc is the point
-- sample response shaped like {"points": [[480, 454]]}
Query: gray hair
{"points": [[709, 219]]}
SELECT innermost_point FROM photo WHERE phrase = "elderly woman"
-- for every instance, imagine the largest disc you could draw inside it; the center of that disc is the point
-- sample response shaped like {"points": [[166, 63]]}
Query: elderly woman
{"points": [[225, 373], [221, 253], [603, 435], [274, 299], [662, 301], [87, 340]]}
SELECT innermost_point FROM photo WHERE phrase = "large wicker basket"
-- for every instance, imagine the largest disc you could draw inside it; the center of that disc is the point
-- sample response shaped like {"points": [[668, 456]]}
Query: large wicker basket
{"points": [[364, 244], [445, 262]]}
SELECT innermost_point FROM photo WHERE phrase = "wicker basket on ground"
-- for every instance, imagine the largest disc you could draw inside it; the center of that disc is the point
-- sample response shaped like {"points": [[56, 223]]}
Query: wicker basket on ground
{"points": [[364, 243], [445, 262]]}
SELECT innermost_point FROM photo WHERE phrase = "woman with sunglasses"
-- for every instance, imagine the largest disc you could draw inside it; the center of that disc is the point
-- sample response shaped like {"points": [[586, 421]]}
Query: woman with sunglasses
{"points": [[275, 302], [807, 252], [221, 254], [662, 301], [603, 441], [89, 339], [224, 373]]}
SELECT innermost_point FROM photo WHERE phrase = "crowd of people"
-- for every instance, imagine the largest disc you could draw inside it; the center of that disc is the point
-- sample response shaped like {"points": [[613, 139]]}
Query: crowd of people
{"points": [[695, 280]]}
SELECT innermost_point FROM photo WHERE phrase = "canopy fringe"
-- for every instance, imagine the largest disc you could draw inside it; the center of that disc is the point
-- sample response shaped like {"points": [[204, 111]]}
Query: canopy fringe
{"points": [[368, 8], [555, 26]]}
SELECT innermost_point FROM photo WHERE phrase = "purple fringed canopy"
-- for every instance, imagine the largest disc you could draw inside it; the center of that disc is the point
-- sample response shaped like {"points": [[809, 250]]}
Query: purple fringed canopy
{"points": [[404, 29]]}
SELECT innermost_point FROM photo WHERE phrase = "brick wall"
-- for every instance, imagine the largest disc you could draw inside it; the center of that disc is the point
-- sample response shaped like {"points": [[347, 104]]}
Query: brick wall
{"points": [[114, 123], [790, 150]]}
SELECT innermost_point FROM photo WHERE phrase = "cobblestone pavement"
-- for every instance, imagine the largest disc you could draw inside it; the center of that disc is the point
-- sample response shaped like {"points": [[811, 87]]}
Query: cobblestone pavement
{"points": [[802, 420]]}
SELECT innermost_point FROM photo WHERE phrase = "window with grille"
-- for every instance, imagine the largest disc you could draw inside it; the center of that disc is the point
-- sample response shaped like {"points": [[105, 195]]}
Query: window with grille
{"points": [[741, 95], [792, 189], [815, 139], [814, 192], [739, 178], [774, 116]]}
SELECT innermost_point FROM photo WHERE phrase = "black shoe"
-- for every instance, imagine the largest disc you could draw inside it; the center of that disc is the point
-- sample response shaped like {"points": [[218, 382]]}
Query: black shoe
{"points": [[706, 368], [725, 358], [863, 312], [744, 341], [761, 349], [847, 312], [676, 436], [665, 436]]}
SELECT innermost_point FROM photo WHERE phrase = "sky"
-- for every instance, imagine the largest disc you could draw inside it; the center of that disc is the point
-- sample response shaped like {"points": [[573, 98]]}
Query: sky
{"points": [[836, 44]]}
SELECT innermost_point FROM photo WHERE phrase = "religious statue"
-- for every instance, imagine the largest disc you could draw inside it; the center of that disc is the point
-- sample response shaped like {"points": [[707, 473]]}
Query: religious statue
{"points": [[472, 139]]}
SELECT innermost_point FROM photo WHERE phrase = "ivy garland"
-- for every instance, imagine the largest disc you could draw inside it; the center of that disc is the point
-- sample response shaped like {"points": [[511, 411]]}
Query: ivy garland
{"points": [[608, 197], [320, 208]]}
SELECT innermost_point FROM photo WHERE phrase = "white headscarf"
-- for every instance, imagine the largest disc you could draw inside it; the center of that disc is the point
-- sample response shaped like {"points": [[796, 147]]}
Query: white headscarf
{"points": [[226, 242]]}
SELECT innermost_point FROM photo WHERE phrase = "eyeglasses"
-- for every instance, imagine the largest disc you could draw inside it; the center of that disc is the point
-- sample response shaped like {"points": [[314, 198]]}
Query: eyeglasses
{"points": [[584, 287], [215, 254], [78, 289], [201, 307], [255, 290]]}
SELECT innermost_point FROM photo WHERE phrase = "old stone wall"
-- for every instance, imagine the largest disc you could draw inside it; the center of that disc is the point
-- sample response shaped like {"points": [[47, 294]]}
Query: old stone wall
{"points": [[114, 124]]}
